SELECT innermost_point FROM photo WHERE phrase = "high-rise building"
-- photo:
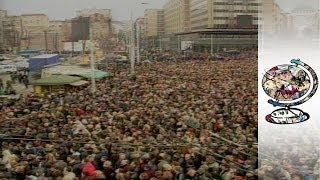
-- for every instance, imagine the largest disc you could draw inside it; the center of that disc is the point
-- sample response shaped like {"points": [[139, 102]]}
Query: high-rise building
{"points": [[305, 21], [177, 16], [154, 22], [274, 19], [224, 14], [3, 16], [154, 28]]}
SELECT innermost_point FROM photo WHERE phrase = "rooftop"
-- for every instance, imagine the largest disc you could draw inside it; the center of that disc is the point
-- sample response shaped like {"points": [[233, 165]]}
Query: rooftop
{"points": [[56, 80], [33, 15], [75, 70], [44, 56]]}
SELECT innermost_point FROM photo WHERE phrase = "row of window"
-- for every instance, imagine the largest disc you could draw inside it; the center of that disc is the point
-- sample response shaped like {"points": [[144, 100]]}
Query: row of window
{"points": [[228, 3], [227, 36], [227, 18], [238, 11], [223, 26]]}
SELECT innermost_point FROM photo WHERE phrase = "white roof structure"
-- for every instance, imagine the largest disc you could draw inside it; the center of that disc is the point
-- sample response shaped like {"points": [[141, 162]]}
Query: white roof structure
{"points": [[44, 56], [64, 70]]}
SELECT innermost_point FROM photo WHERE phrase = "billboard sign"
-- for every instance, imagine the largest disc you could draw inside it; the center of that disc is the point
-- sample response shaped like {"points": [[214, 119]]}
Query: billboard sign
{"points": [[186, 45]]}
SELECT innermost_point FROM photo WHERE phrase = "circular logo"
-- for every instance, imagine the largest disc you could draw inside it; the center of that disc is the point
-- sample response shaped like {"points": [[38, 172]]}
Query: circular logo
{"points": [[289, 85], [286, 82]]}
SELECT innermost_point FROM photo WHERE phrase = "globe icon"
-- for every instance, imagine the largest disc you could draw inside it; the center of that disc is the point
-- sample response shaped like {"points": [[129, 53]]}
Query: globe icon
{"points": [[289, 85]]}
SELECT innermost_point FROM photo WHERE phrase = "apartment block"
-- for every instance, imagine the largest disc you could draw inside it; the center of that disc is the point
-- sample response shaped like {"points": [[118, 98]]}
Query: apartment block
{"points": [[177, 16], [154, 22], [224, 14]]}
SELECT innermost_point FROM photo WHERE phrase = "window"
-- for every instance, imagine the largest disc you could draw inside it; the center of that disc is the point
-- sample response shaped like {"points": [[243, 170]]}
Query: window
{"points": [[221, 18]]}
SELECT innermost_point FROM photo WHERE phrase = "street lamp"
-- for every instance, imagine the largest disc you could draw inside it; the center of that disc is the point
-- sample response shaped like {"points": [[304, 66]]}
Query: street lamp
{"points": [[138, 37], [93, 81], [132, 46], [179, 24]]}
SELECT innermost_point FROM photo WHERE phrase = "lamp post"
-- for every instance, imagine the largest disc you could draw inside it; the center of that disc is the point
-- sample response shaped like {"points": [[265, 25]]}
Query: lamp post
{"points": [[211, 44], [132, 47], [93, 81], [138, 37], [138, 42], [179, 24]]}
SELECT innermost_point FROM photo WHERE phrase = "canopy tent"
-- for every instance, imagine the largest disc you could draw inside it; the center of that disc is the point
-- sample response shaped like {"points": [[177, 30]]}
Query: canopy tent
{"points": [[98, 74], [57, 80], [79, 83]]}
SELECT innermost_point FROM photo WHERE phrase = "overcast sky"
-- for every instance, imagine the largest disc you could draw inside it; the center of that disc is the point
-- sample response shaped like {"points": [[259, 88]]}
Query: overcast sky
{"points": [[65, 9], [288, 5]]}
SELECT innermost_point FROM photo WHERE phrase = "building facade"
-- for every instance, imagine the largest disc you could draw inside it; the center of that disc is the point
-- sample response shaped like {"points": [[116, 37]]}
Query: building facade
{"points": [[154, 22], [177, 16], [35, 22], [3, 17], [12, 32], [274, 19], [306, 22], [154, 27], [211, 25], [224, 14], [101, 26]]}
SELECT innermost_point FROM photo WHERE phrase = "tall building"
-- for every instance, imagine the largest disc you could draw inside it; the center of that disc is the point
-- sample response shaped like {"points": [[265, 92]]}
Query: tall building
{"points": [[88, 12], [12, 32], [3, 16], [154, 22], [274, 19], [154, 28], [35, 22], [305, 21], [101, 26], [177, 16], [224, 14], [211, 24]]}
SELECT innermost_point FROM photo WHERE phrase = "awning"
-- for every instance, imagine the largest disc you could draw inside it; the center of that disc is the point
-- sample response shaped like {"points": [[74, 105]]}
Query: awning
{"points": [[79, 83], [98, 74]]}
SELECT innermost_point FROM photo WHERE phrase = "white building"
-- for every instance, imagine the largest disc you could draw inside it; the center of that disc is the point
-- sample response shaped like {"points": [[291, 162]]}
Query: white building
{"points": [[305, 21]]}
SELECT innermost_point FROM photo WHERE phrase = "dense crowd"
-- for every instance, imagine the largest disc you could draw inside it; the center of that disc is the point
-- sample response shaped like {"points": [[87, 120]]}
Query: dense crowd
{"points": [[289, 154], [172, 120]]}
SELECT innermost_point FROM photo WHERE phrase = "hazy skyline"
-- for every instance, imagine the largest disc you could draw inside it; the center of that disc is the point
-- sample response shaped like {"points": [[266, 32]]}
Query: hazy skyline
{"points": [[66, 9], [288, 5]]}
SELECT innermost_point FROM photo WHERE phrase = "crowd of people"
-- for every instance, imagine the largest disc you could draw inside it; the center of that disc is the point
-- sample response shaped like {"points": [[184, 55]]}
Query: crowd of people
{"points": [[6, 86], [289, 154], [193, 120]]}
